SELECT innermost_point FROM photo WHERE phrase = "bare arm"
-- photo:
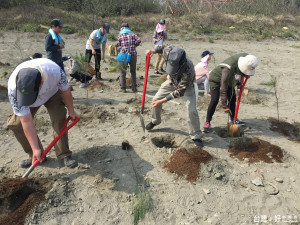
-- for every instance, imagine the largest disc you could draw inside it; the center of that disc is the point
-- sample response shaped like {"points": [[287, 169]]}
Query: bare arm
{"points": [[91, 46], [31, 135], [68, 99]]}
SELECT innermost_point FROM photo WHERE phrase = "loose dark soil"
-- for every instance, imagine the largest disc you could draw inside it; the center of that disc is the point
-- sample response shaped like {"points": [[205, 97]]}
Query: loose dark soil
{"points": [[256, 150], [187, 163], [96, 84], [18, 196]]}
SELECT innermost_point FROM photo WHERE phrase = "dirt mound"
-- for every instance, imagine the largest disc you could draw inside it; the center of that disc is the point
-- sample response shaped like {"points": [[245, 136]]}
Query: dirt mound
{"points": [[18, 196], [96, 84], [93, 114], [289, 130], [187, 163], [255, 150], [159, 80], [252, 98]]}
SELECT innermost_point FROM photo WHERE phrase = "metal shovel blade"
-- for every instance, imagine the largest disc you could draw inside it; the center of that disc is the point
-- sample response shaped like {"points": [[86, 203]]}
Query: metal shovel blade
{"points": [[234, 130], [142, 122]]}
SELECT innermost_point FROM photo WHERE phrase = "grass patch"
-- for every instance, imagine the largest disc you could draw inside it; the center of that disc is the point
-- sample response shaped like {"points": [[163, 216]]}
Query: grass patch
{"points": [[141, 205], [112, 37], [69, 30]]}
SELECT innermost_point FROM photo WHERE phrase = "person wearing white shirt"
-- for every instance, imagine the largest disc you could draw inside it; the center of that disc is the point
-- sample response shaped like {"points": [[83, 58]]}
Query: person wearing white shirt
{"points": [[32, 84], [93, 47]]}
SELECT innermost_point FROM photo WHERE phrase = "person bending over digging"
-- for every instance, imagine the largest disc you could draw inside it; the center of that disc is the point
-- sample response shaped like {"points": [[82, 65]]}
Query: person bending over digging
{"points": [[222, 81], [93, 47], [32, 84], [179, 83]]}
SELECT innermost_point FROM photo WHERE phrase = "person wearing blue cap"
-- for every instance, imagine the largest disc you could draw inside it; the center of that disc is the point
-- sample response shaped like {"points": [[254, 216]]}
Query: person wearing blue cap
{"points": [[32, 84], [54, 43]]}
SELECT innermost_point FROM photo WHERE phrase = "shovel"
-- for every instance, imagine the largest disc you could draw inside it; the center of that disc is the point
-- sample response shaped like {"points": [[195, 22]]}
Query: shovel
{"points": [[64, 130], [234, 129], [148, 57]]}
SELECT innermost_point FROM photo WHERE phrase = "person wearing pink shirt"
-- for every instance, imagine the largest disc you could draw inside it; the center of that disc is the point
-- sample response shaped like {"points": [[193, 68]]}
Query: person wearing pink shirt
{"points": [[202, 72]]}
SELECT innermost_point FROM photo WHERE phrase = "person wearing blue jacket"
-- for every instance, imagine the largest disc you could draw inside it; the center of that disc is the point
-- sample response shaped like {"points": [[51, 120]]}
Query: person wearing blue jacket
{"points": [[54, 43]]}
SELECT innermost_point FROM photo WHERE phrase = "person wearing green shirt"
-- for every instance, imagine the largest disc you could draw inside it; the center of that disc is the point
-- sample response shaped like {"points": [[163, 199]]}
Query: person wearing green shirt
{"points": [[222, 81]]}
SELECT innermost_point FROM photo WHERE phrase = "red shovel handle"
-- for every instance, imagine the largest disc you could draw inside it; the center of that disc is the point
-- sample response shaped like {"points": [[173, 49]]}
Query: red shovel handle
{"points": [[148, 58], [243, 83], [64, 130]]}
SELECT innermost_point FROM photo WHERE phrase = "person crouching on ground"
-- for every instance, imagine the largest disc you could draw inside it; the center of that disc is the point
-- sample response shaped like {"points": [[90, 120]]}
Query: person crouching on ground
{"points": [[54, 43], [127, 42], [202, 72], [32, 84], [93, 47], [179, 83], [36, 55], [76, 69], [159, 36], [222, 81]]}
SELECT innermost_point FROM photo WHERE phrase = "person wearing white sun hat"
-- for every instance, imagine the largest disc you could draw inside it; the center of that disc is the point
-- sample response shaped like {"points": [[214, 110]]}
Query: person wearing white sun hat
{"points": [[222, 81]]}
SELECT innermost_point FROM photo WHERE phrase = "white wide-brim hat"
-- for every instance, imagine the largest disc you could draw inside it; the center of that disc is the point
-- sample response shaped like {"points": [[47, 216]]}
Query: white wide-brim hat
{"points": [[248, 64]]}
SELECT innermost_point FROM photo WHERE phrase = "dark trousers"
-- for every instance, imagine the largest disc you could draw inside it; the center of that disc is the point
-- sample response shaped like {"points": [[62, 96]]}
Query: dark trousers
{"points": [[61, 65], [88, 57], [83, 78], [215, 95]]}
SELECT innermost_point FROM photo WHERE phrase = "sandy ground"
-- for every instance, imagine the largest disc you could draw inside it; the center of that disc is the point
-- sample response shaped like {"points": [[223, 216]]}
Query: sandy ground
{"points": [[101, 189]]}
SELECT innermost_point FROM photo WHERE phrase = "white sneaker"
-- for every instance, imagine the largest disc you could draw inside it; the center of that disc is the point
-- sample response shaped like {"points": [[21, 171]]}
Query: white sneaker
{"points": [[84, 85]]}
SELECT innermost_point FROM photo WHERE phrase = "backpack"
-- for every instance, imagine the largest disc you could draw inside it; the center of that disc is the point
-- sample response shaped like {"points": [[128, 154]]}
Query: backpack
{"points": [[112, 50]]}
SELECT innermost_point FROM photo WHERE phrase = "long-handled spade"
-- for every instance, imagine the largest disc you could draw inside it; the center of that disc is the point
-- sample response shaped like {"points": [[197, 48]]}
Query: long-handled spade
{"points": [[234, 129], [148, 57], [64, 130]]}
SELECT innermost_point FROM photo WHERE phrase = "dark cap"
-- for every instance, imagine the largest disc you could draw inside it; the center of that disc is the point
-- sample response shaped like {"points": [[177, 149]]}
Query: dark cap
{"points": [[175, 59], [28, 85], [125, 25], [205, 53], [106, 27], [37, 55], [65, 58], [162, 21], [57, 23]]}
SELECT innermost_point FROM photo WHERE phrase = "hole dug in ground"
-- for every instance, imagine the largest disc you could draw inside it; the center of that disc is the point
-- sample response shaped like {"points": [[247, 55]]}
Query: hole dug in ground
{"points": [[255, 150], [167, 141], [187, 163], [18, 196], [223, 132]]}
